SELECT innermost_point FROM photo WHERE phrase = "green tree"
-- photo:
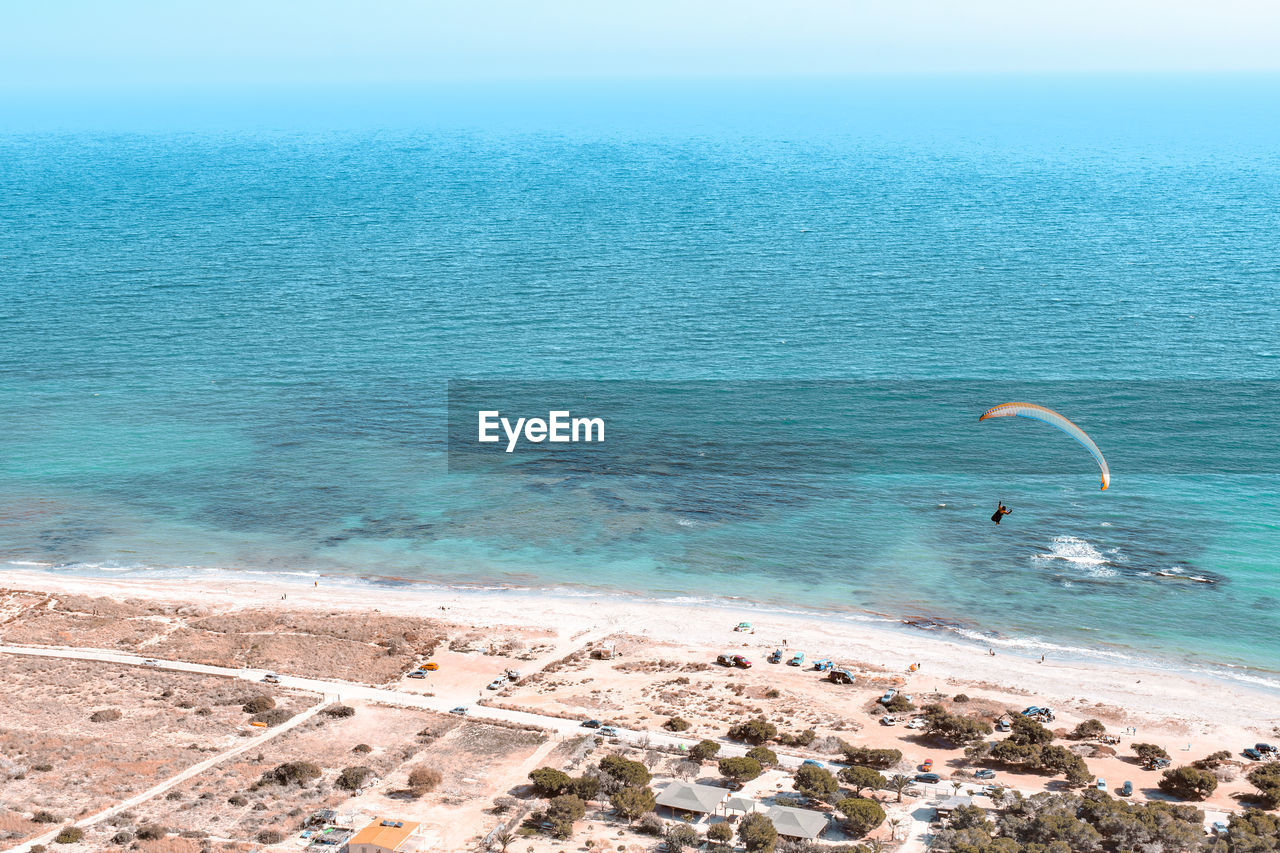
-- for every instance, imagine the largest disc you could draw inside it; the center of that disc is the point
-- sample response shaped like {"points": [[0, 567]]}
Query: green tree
{"points": [[955, 729], [814, 781], [1088, 730], [1266, 778], [757, 833], [720, 834], [585, 788], [631, 774], [899, 783], [860, 815], [676, 724], [1188, 783], [703, 750], [1149, 753], [549, 782], [351, 778], [757, 731], [680, 836], [767, 757], [861, 778], [631, 803], [868, 757], [740, 769]]}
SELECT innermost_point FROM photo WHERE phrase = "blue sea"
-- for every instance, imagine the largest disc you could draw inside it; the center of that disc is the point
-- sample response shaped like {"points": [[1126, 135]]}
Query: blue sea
{"points": [[226, 338]]}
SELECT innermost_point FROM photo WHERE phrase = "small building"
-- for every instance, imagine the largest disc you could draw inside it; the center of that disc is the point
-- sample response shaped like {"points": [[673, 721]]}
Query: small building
{"points": [[950, 804], [384, 835], [798, 823], [688, 797], [746, 805]]}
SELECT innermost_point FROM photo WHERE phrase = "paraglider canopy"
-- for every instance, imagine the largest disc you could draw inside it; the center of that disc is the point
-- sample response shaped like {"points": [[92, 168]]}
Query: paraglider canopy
{"points": [[1049, 416]]}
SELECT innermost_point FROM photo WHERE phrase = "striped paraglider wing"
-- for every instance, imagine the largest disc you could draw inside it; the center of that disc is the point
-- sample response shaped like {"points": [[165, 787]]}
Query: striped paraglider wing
{"points": [[1049, 416]]}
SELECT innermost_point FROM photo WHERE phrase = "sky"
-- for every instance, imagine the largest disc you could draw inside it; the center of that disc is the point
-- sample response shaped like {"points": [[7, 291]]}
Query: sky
{"points": [[82, 46]]}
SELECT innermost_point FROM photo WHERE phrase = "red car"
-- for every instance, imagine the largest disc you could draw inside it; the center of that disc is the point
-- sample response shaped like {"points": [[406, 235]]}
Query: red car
{"points": [[740, 661]]}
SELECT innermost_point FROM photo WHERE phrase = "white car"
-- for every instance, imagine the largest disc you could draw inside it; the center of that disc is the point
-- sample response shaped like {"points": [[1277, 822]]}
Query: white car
{"points": [[888, 720], [497, 684], [151, 662], [917, 723], [1102, 784]]}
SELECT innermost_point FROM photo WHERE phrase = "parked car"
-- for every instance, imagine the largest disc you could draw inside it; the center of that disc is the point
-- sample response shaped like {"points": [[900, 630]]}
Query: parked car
{"points": [[917, 723], [513, 674], [431, 666], [811, 763], [497, 684], [1160, 764], [741, 662], [1251, 754], [1101, 784], [887, 697], [1003, 725], [608, 731], [775, 656], [591, 724], [461, 711], [823, 665], [1125, 790], [927, 765], [888, 720], [928, 778], [271, 678], [1266, 748], [1220, 827], [985, 774], [418, 673], [840, 676], [151, 662], [796, 659]]}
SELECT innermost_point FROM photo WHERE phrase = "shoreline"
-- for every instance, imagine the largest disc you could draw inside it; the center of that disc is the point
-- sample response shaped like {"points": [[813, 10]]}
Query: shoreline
{"points": [[923, 626], [1189, 703]]}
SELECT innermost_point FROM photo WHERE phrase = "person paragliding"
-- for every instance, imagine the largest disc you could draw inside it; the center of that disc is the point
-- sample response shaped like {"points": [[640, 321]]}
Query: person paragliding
{"points": [[1001, 512]]}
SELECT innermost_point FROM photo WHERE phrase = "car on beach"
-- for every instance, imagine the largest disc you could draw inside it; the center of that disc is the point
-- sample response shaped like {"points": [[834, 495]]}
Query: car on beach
{"points": [[1266, 748], [1003, 725], [927, 765], [608, 731], [1125, 790], [497, 684], [271, 678], [461, 710], [796, 659], [513, 674], [591, 724], [1159, 764], [919, 723], [809, 762], [775, 656], [741, 662], [1251, 754], [887, 697], [928, 778], [1101, 785], [431, 666], [151, 662], [418, 673], [985, 774], [888, 720]]}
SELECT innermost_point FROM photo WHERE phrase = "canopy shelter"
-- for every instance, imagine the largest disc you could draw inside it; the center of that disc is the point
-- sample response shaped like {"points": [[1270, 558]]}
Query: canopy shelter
{"points": [[687, 797], [797, 823]]}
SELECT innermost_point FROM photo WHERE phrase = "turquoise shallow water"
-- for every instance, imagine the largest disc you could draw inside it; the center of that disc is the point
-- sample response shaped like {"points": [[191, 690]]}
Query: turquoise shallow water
{"points": [[230, 348]]}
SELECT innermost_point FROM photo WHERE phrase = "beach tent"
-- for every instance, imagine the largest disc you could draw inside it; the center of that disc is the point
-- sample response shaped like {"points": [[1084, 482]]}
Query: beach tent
{"points": [[797, 823], [745, 805], [686, 797]]}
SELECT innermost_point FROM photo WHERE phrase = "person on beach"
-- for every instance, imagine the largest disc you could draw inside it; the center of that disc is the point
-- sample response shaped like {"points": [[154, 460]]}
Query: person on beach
{"points": [[1001, 512]]}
